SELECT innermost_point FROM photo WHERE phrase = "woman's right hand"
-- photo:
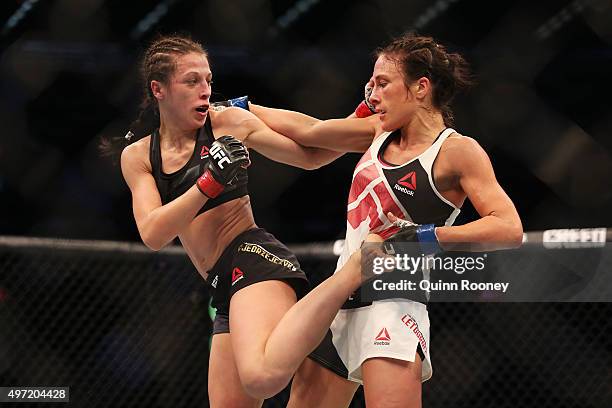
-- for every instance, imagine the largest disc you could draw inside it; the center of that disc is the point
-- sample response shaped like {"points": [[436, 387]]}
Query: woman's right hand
{"points": [[227, 156]]}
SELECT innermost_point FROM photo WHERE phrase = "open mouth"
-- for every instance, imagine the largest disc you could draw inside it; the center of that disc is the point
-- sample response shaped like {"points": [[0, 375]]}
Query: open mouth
{"points": [[202, 108]]}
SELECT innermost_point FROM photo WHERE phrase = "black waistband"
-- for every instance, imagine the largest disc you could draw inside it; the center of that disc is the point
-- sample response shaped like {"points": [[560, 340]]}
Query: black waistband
{"points": [[233, 244]]}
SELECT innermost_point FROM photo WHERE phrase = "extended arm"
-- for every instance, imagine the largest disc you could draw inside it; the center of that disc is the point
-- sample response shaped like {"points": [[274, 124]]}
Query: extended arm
{"points": [[276, 146], [342, 135]]}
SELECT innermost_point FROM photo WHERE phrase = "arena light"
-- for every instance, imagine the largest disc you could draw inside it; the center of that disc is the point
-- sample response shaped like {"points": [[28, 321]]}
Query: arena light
{"points": [[151, 18], [18, 16], [560, 19], [432, 12], [292, 15]]}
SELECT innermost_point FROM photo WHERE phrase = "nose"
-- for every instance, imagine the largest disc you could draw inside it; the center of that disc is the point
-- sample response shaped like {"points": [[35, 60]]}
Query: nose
{"points": [[206, 91], [374, 97]]}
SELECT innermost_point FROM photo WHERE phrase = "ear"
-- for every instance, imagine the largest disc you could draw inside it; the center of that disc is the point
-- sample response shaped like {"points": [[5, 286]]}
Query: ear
{"points": [[157, 89], [422, 87]]}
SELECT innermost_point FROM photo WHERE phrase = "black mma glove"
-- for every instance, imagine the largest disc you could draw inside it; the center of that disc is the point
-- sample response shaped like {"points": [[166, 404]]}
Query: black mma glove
{"points": [[424, 235], [227, 156]]}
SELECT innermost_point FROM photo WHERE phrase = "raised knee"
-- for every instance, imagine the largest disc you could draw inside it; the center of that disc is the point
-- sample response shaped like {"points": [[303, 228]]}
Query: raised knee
{"points": [[262, 384], [374, 238]]}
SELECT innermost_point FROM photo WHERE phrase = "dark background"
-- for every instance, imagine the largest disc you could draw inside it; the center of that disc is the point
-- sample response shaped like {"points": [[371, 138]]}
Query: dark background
{"points": [[69, 75]]}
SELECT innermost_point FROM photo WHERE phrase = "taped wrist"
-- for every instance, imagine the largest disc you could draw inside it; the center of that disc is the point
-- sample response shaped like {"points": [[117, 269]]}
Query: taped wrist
{"points": [[208, 186]]}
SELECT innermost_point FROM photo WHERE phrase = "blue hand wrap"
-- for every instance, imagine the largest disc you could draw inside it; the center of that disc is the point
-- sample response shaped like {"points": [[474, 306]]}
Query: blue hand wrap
{"points": [[241, 102], [426, 234]]}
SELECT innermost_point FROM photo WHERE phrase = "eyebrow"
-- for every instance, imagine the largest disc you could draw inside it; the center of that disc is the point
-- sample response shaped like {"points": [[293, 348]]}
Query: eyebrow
{"points": [[379, 76], [209, 73]]}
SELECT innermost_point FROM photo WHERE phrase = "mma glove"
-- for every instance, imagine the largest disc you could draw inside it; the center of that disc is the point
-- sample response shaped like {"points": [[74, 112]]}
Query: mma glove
{"points": [[365, 108], [241, 102], [413, 239], [227, 156]]}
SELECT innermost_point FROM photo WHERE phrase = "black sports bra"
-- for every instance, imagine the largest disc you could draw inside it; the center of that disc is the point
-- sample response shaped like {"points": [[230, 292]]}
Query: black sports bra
{"points": [[173, 185]]}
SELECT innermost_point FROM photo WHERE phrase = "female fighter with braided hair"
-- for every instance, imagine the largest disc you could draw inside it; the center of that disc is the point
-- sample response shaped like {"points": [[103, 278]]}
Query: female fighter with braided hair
{"points": [[416, 168], [188, 180]]}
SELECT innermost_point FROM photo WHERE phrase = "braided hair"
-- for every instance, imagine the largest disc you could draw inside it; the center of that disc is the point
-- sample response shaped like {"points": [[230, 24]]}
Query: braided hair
{"points": [[159, 63]]}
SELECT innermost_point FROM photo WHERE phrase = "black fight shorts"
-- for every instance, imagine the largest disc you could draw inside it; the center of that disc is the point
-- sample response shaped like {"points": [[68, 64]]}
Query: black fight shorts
{"points": [[253, 256]]}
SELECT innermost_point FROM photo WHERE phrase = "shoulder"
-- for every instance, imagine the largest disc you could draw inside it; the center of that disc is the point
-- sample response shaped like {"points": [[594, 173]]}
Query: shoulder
{"points": [[238, 122], [136, 155], [457, 144], [463, 152], [373, 121], [380, 134], [230, 115], [376, 126]]}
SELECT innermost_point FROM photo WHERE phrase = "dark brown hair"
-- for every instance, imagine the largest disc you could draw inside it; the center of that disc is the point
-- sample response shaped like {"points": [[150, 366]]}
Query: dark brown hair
{"points": [[419, 57], [158, 64]]}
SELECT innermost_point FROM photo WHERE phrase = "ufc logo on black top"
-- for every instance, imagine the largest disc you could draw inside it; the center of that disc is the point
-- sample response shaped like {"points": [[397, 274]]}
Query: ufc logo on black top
{"points": [[219, 155]]}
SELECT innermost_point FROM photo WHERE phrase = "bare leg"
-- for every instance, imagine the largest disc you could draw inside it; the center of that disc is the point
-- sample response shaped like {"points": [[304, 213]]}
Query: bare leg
{"points": [[224, 386], [390, 383], [316, 386], [271, 337]]}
